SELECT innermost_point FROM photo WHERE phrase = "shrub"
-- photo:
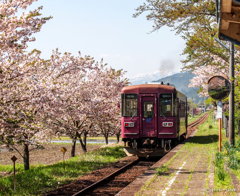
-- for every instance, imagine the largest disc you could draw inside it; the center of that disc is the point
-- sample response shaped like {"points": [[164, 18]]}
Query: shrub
{"points": [[162, 169], [232, 154], [219, 166]]}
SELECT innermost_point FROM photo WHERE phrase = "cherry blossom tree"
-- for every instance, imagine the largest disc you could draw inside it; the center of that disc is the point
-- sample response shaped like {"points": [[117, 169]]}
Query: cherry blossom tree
{"points": [[107, 94], [79, 96], [67, 94], [218, 66], [17, 68], [42, 97]]}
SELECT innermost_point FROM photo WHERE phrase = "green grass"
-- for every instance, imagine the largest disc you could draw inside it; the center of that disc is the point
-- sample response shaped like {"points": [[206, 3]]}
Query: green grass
{"points": [[209, 137], [44, 177], [9, 168], [161, 170], [207, 140], [191, 119], [222, 179]]}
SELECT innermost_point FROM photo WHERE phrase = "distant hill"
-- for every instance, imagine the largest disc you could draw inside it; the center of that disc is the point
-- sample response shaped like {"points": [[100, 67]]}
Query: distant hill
{"points": [[181, 81], [148, 77]]}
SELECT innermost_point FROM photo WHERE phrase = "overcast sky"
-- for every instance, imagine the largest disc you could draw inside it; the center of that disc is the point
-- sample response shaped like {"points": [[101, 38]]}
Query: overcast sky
{"points": [[106, 29]]}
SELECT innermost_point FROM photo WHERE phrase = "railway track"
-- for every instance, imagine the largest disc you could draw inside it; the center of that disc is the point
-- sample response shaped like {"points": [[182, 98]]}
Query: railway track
{"points": [[194, 124], [109, 184], [119, 179], [106, 179]]}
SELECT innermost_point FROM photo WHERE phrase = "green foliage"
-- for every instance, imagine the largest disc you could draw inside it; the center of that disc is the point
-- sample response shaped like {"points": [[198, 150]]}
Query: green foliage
{"points": [[232, 154], [218, 162], [40, 178], [219, 166], [182, 15], [161, 170], [196, 22], [9, 168]]}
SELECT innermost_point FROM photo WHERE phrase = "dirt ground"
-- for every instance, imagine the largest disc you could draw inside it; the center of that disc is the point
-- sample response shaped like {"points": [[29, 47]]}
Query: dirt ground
{"points": [[49, 155]]}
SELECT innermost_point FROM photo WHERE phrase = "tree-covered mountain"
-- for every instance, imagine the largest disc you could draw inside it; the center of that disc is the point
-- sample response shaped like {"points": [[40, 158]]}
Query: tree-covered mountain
{"points": [[181, 81]]}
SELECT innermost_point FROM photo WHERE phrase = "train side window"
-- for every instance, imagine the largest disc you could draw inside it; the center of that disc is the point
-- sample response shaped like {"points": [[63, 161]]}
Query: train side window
{"points": [[182, 109], [167, 104], [129, 105]]}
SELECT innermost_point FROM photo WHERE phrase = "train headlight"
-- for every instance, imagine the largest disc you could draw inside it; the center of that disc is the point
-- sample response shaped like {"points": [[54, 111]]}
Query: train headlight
{"points": [[128, 124], [167, 124]]}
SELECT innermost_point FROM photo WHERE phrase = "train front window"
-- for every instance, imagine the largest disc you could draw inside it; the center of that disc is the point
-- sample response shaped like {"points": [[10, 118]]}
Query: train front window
{"points": [[148, 111], [167, 105], [129, 105]]}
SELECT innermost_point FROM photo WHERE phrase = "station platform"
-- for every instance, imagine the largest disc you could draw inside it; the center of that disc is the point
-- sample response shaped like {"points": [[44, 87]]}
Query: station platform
{"points": [[188, 170]]}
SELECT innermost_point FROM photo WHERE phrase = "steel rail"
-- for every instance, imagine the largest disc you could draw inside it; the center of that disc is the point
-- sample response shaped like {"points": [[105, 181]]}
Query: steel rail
{"points": [[83, 191], [199, 120], [105, 179]]}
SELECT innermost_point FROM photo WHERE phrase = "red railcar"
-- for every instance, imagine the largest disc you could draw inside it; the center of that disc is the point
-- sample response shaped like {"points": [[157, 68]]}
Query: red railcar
{"points": [[154, 116]]}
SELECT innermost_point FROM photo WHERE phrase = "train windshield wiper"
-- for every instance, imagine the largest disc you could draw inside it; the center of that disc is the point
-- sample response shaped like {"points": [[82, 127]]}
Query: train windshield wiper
{"points": [[163, 114], [133, 114]]}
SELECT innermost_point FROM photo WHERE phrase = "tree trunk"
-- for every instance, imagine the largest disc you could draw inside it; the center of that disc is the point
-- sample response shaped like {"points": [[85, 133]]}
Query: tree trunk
{"points": [[26, 157], [73, 148], [106, 137], [85, 138], [118, 136], [82, 144]]}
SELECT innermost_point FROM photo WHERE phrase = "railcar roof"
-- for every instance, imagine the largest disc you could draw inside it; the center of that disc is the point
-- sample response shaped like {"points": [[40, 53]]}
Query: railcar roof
{"points": [[149, 88]]}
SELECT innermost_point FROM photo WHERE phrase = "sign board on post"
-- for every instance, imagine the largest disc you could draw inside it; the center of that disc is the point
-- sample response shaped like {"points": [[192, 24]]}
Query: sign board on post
{"points": [[219, 110], [64, 150], [14, 172]]}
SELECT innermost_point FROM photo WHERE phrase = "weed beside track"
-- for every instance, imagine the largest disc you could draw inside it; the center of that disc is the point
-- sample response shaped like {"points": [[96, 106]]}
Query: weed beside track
{"points": [[41, 178]]}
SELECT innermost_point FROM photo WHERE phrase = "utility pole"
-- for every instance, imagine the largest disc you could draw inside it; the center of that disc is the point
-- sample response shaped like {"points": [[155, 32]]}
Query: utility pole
{"points": [[231, 95]]}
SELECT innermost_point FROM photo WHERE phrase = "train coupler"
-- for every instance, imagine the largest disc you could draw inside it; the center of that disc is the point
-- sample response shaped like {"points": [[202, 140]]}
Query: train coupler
{"points": [[168, 142]]}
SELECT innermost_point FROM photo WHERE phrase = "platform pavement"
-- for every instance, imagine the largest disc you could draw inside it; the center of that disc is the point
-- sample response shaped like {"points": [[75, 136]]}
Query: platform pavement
{"points": [[190, 172]]}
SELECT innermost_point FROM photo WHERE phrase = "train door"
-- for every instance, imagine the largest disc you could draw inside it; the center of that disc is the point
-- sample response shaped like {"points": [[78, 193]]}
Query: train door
{"points": [[178, 119], [149, 114]]}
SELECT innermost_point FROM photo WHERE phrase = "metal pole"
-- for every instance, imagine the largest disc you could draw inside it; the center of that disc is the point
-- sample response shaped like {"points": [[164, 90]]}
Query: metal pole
{"points": [[220, 134], [204, 104], [14, 177], [192, 108], [231, 96], [14, 172], [64, 162]]}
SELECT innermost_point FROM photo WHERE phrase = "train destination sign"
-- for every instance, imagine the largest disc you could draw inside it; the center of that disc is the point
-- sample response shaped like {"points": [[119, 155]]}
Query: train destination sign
{"points": [[218, 87]]}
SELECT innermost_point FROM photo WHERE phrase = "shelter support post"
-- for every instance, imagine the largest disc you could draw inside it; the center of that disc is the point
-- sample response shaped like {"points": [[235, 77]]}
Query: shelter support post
{"points": [[231, 95]]}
